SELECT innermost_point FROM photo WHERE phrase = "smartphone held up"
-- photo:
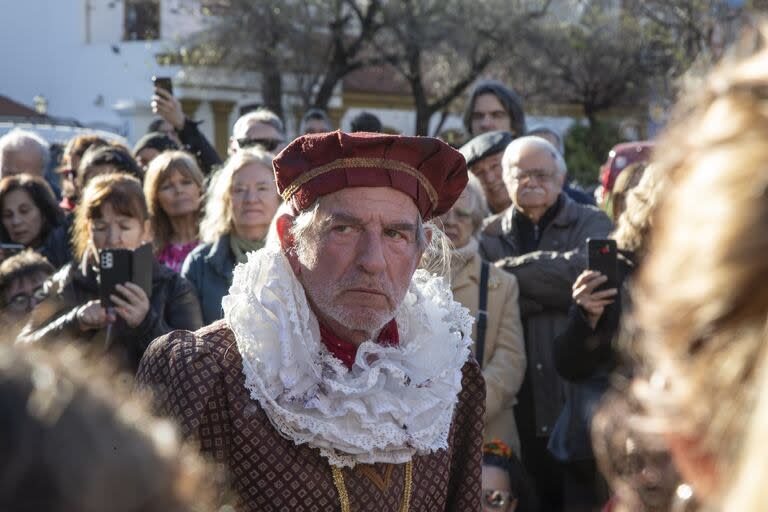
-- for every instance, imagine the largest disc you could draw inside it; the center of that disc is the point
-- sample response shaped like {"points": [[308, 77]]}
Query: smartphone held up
{"points": [[163, 82], [602, 257]]}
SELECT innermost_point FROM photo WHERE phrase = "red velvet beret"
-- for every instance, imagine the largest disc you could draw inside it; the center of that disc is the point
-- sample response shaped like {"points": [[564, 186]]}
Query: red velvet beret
{"points": [[430, 171]]}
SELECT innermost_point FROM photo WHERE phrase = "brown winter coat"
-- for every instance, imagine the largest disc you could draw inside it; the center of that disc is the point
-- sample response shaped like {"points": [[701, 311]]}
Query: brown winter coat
{"points": [[504, 353]]}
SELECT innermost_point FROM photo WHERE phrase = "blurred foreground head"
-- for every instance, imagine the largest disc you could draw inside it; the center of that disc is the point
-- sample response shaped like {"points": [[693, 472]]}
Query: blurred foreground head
{"points": [[71, 440], [701, 301]]}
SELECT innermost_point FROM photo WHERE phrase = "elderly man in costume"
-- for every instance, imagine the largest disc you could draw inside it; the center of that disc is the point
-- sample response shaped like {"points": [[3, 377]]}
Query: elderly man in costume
{"points": [[340, 378]]}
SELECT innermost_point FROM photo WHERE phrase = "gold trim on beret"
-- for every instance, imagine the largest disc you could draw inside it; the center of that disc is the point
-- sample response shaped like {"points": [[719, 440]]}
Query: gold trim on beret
{"points": [[375, 163]]}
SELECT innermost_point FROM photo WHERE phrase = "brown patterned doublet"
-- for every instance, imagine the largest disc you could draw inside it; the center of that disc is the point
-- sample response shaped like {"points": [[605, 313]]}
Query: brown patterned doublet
{"points": [[197, 378]]}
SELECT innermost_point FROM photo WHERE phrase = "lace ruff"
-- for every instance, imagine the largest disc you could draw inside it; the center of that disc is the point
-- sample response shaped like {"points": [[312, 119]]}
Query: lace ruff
{"points": [[393, 403]]}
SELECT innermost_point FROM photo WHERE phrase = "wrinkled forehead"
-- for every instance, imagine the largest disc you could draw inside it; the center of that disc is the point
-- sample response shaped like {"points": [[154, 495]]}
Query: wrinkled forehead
{"points": [[535, 155], [27, 151], [370, 203]]}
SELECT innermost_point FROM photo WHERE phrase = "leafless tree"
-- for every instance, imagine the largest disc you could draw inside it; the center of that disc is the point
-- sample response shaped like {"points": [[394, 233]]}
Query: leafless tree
{"points": [[316, 42], [602, 60], [441, 46]]}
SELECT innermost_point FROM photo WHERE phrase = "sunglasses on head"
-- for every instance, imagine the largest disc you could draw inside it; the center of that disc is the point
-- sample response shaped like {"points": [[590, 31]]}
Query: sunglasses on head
{"points": [[265, 144], [496, 499]]}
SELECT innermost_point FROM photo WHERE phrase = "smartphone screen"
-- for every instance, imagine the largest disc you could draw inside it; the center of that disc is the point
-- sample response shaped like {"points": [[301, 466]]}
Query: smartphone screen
{"points": [[601, 257], [163, 82]]}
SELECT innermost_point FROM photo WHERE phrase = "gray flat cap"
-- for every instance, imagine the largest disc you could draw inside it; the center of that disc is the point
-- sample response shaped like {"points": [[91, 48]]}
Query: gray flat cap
{"points": [[485, 145]]}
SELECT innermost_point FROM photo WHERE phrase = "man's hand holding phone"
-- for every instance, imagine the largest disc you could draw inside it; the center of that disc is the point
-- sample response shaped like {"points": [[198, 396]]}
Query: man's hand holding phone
{"points": [[592, 302], [168, 107]]}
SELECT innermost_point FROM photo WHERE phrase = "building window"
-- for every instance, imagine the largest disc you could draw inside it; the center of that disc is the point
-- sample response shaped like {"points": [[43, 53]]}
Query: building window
{"points": [[142, 20]]}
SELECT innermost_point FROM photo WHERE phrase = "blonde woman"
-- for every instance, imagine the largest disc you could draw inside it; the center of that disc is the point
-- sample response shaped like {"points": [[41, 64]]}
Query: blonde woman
{"points": [[241, 201], [173, 187], [701, 384]]}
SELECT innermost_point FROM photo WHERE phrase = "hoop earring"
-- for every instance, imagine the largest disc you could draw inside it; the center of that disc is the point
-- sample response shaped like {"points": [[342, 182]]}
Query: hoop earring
{"points": [[684, 499]]}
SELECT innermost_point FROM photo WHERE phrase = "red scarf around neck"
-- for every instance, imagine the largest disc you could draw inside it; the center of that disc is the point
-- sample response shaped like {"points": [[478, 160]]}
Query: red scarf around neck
{"points": [[345, 351]]}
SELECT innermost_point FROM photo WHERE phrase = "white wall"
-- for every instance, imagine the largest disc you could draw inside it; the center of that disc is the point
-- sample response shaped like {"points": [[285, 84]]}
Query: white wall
{"points": [[44, 50]]}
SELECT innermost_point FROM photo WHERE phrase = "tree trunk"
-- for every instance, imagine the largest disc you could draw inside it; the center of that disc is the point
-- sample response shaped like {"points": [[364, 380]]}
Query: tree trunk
{"points": [[271, 83], [423, 114]]}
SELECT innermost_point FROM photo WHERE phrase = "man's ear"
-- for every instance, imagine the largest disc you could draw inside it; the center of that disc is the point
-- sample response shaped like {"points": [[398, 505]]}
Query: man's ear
{"points": [[284, 223], [561, 179]]}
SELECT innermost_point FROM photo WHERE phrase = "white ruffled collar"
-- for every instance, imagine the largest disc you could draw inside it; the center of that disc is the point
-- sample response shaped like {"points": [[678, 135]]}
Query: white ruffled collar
{"points": [[393, 403]]}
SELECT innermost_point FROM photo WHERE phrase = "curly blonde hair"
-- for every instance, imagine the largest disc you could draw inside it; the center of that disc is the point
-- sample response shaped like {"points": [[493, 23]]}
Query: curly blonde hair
{"points": [[701, 302], [634, 225]]}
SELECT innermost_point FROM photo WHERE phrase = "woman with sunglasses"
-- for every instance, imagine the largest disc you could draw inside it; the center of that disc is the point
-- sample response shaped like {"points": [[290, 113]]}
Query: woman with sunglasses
{"points": [[506, 487], [32, 219], [241, 201], [498, 332]]}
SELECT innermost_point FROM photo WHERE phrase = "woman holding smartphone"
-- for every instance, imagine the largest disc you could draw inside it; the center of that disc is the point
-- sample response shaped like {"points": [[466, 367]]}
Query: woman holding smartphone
{"points": [[584, 354], [112, 214]]}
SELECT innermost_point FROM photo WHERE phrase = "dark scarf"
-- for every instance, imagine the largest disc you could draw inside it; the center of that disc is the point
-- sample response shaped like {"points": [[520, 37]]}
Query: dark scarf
{"points": [[529, 233]]}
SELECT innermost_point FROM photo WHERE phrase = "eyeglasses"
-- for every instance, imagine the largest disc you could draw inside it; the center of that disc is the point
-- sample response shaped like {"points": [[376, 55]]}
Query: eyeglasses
{"points": [[460, 214], [496, 499], [541, 176], [22, 301], [265, 144]]}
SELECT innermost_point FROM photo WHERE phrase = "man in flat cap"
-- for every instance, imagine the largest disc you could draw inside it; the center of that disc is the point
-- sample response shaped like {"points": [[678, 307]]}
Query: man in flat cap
{"points": [[339, 378], [483, 156]]}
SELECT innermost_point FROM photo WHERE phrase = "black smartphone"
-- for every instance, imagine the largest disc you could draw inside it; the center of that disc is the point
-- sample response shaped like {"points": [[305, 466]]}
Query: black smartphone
{"points": [[120, 266], [601, 257], [163, 82]]}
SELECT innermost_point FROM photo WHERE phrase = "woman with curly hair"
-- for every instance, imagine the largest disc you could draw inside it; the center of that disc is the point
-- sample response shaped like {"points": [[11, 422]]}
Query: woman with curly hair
{"points": [[700, 380]]}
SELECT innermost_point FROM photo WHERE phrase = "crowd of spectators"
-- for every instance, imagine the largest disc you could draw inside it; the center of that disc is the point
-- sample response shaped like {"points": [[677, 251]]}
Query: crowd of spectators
{"points": [[546, 329]]}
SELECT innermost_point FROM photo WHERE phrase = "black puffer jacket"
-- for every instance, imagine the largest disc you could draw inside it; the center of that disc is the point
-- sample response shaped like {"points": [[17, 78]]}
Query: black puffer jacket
{"points": [[173, 305]]}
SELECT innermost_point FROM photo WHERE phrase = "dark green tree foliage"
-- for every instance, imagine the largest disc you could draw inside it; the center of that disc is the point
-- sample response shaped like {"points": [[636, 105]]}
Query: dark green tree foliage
{"points": [[587, 147]]}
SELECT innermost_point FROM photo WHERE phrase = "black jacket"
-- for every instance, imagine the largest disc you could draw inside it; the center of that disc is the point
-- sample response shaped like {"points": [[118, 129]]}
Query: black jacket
{"points": [[586, 358], [173, 305], [196, 143], [581, 352]]}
